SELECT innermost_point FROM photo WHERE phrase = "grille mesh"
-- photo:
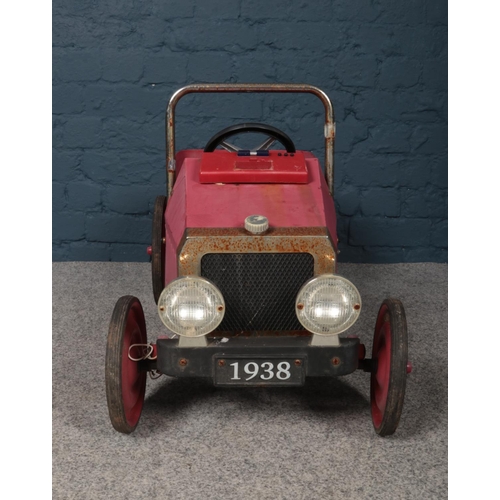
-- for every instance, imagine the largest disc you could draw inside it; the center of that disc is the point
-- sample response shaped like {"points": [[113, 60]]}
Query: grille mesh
{"points": [[259, 288]]}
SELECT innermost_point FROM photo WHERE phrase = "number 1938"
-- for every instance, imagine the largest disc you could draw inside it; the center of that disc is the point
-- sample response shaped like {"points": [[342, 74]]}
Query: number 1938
{"points": [[265, 371]]}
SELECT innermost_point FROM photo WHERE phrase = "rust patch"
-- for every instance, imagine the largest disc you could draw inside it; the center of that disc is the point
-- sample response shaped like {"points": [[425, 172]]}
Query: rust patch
{"points": [[200, 241]]}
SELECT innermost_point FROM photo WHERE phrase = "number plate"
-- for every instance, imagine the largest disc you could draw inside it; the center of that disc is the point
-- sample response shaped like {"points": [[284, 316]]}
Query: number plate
{"points": [[259, 372]]}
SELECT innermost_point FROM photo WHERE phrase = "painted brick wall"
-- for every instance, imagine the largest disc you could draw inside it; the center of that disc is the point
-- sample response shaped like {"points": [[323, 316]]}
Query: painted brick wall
{"points": [[382, 62]]}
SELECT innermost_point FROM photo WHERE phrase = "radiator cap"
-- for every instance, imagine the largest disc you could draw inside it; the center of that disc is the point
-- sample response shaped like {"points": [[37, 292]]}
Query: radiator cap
{"points": [[256, 224]]}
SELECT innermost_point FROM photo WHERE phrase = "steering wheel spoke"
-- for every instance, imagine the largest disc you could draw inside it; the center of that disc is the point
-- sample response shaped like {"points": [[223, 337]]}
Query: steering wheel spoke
{"points": [[229, 147], [266, 144]]}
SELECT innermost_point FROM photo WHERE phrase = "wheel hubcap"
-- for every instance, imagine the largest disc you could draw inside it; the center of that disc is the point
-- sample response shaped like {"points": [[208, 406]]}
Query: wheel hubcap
{"points": [[133, 386], [381, 378]]}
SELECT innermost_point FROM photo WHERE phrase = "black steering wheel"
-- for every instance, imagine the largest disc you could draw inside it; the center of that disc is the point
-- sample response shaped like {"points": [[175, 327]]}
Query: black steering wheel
{"points": [[274, 134]]}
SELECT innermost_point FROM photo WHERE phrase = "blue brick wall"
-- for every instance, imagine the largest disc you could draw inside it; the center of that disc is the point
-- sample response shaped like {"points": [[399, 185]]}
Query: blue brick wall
{"points": [[382, 62]]}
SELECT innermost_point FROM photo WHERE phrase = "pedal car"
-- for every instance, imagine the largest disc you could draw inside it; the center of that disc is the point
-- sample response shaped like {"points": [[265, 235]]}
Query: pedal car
{"points": [[244, 258]]}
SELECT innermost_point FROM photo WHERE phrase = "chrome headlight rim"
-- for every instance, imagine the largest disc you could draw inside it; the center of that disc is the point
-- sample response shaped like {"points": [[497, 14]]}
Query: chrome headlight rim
{"points": [[301, 305], [176, 285]]}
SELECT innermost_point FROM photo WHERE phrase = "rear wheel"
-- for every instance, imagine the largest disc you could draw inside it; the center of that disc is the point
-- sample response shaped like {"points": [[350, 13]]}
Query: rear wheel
{"points": [[125, 382], [390, 357], [158, 247]]}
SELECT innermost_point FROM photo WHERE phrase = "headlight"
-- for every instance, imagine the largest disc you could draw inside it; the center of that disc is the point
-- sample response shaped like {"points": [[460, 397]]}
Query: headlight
{"points": [[191, 306], [328, 304]]}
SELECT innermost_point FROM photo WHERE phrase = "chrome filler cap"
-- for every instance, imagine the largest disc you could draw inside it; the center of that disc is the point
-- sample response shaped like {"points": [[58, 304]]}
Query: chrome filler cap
{"points": [[256, 224]]}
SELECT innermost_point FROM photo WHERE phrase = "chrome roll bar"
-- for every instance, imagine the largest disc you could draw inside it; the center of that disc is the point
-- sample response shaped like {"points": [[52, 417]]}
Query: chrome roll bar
{"points": [[329, 130]]}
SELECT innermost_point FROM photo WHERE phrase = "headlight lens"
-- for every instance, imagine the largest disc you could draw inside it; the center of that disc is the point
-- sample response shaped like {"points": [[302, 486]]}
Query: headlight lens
{"points": [[191, 306], [328, 304]]}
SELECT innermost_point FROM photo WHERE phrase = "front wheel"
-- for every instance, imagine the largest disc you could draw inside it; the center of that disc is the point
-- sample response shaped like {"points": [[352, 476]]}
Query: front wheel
{"points": [[390, 357], [125, 382]]}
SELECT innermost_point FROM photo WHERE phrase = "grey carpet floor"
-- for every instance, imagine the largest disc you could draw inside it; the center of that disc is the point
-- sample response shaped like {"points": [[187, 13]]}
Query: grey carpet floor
{"points": [[197, 442]]}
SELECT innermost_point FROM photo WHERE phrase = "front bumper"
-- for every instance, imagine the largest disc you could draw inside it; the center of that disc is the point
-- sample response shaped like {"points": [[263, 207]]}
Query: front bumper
{"points": [[318, 361]]}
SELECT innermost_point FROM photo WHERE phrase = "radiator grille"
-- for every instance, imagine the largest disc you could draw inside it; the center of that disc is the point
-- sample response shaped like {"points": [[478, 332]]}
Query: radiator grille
{"points": [[259, 288]]}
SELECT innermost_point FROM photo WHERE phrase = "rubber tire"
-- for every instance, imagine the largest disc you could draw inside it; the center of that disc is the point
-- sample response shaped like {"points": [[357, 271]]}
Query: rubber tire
{"points": [[385, 420], [127, 327], [158, 247]]}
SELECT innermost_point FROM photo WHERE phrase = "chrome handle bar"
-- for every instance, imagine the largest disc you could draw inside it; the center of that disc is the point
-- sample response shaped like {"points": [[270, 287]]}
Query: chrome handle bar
{"points": [[329, 130]]}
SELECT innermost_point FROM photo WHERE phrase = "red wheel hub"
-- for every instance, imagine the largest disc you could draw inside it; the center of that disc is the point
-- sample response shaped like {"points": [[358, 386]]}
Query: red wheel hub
{"points": [[133, 379], [381, 377]]}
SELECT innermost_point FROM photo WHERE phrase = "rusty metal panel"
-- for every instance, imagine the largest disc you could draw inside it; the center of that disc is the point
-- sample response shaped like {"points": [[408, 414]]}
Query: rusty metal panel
{"points": [[200, 241]]}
